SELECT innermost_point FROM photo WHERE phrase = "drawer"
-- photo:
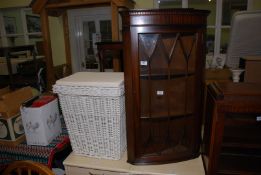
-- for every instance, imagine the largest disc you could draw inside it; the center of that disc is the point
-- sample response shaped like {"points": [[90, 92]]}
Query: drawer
{"points": [[243, 128], [71, 170], [239, 163]]}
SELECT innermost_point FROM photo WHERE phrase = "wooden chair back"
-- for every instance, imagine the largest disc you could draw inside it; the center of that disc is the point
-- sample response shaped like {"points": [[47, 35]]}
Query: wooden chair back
{"points": [[27, 167]]}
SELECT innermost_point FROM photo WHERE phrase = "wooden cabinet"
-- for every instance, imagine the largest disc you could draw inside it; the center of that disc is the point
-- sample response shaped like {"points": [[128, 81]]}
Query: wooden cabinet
{"points": [[232, 140], [164, 58]]}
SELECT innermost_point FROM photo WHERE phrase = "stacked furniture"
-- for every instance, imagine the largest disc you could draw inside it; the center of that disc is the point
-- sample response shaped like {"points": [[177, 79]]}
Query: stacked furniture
{"points": [[232, 140], [21, 67], [164, 58]]}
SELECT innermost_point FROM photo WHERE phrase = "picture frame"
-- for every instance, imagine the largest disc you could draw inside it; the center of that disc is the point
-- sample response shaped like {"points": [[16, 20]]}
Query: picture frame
{"points": [[33, 23], [10, 25]]}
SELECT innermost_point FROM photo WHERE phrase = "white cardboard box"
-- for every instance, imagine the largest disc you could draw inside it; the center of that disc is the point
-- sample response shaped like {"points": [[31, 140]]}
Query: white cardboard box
{"points": [[41, 124], [11, 130]]}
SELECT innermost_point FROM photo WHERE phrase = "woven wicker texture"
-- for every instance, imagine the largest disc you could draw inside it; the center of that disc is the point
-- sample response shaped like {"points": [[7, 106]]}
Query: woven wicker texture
{"points": [[95, 118], [93, 79]]}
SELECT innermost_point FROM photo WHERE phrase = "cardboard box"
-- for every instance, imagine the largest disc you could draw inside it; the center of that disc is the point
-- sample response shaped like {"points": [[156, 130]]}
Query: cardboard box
{"points": [[252, 66], [42, 124], [11, 130], [4, 90], [10, 101]]}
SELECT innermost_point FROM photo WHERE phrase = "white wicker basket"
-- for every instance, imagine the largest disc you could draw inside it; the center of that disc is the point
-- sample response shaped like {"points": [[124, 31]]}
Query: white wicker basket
{"points": [[93, 106]]}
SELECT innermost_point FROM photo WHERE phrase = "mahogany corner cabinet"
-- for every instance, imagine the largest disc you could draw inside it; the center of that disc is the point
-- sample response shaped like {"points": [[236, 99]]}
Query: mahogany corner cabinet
{"points": [[164, 59]]}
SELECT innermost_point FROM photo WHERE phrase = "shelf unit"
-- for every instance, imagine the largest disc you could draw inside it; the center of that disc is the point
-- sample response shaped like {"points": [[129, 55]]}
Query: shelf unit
{"points": [[232, 140], [27, 70]]}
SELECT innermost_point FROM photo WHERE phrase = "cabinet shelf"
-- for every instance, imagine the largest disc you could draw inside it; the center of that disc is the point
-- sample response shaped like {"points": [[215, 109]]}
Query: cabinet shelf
{"points": [[233, 144], [239, 150], [241, 145], [251, 141], [167, 117], [234, 119], [164, 76], [238, 164]]}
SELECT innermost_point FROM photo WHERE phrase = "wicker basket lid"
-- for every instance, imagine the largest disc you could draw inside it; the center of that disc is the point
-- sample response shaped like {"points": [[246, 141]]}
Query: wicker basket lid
{"points": [[93, 79]]}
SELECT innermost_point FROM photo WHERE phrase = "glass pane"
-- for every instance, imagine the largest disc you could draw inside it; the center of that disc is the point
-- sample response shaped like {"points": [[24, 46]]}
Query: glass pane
{"points": [[210, 46], [89, 27], [170, 4], [89, 32], [12, 21], [105, 29], [225, 32], [106, 35], [16, 40], [205, 5], [32, 22], [230, 7], [167, 76], [167, 60], [210, 40]]}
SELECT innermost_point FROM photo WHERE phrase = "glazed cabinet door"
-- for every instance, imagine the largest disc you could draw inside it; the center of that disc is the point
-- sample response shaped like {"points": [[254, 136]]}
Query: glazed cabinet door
{"points": [[168, 87], [164, 66]]}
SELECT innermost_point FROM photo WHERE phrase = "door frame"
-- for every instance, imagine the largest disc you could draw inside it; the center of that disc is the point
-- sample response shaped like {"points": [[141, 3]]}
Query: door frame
{"points": [[75, 19]]}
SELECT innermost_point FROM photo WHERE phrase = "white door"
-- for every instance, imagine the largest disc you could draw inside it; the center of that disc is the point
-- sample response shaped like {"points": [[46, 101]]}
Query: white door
{"points": [[88, 26]]}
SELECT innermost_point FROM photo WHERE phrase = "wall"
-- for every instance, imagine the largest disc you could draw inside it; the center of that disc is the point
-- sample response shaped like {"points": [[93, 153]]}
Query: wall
{"points": [[14, 3], [57, 40], [144, 4], [257, 5]]}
